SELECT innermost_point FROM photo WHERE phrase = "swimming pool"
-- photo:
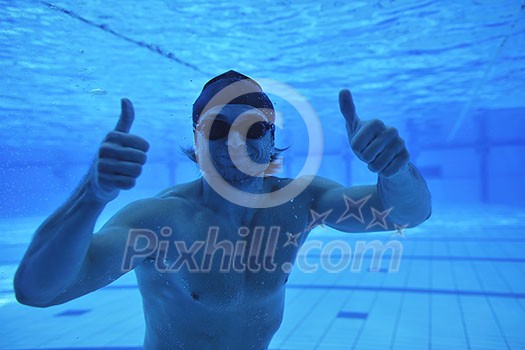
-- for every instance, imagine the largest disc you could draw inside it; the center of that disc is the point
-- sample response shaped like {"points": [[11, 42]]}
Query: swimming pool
{"points": [[448, 76]]}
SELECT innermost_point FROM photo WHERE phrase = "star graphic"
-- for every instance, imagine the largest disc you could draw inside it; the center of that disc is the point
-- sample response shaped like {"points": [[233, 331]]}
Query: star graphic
{"points": [[379, 218], [354, 208], [399, 230], [292, 239], [318, 219]]}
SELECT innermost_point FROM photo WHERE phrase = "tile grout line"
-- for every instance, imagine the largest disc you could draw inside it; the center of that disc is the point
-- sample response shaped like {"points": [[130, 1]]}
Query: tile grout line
{"points": [[494, 316], [460, 305], [430, 299], [509, 285], [335, 318], [400, 310], [294, 328], [363, 325]]}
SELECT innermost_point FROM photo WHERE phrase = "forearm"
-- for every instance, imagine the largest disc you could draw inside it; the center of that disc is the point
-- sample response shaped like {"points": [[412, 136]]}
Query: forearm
{"points": [[59, 247], [407, 194]]}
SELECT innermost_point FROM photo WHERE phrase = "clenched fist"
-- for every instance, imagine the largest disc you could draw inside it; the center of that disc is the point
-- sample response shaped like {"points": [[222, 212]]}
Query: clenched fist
{"points": [[372, 141], [120, 157]]}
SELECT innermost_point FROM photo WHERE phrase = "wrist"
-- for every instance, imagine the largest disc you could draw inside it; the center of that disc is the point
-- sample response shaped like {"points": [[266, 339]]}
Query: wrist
{"points": [[405, 173], [94, 192], [406, 192]]}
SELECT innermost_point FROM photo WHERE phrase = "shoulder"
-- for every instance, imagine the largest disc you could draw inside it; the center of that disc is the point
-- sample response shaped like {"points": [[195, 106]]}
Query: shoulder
{"points": [[274, 183], [147, 212], [184, 190], [137, 214], [310, 188], [314, 186], [322, 184], [311, 184]]}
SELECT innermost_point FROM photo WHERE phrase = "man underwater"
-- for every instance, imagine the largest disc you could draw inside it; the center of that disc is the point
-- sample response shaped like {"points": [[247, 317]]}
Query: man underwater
{"points": [[219, 304]]}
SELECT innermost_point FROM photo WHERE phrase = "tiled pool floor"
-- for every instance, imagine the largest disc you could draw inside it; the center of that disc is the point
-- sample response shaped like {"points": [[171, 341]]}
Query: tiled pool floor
{"points": [[460, 285]]}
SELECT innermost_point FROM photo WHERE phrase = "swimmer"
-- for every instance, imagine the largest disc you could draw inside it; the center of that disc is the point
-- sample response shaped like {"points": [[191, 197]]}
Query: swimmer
{"points": [[193, 296]]}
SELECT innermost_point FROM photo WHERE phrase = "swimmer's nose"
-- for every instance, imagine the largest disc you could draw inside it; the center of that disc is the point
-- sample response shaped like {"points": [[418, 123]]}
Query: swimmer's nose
{"points": [[235, 140]]}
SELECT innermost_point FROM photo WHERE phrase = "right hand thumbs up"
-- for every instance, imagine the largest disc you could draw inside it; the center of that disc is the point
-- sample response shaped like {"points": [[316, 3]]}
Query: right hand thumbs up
{"points": [[120, 157], [127, 115]]}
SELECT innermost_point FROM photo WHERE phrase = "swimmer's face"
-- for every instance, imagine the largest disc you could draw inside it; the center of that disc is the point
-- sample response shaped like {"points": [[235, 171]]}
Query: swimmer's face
{"points": [[240, 138]]}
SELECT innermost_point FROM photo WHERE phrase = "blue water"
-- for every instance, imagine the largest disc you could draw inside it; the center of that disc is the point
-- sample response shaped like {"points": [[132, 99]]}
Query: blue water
{"points": [[448, 75]]}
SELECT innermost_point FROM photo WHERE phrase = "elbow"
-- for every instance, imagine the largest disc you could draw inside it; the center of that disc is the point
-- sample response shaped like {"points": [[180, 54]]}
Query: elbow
{"points": [[428, 209], [423, 215], [421, 219], [429, 213], [29, 300], [25, 296], [423, 210], [415, 217]]}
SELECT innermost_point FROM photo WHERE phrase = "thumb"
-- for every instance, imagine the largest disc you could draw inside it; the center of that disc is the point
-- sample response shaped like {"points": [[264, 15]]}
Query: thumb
{"points": [[346, 104], [127, 114]]}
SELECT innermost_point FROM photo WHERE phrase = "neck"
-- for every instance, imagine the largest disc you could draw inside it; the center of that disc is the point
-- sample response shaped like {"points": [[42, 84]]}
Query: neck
{"points": [[218, 203]]}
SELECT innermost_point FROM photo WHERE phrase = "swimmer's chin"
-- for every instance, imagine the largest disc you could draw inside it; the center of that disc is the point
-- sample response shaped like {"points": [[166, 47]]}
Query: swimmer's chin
{"points": [[239, 178], [235, 177]]}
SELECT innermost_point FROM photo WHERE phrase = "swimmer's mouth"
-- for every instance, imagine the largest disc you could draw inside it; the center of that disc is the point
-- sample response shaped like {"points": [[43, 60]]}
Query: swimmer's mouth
{"points": [[236, 158], [241, 158]]}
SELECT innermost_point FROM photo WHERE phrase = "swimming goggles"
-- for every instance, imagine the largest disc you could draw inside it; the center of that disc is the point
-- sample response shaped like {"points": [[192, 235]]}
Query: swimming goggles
{"points": [[220, 129]]}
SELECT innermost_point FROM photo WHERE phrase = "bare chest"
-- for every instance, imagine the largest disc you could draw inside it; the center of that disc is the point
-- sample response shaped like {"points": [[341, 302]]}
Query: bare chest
{"points": [[221, 259]]}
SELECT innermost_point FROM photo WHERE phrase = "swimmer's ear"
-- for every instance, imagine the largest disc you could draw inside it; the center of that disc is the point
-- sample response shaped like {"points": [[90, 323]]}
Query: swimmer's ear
{"points": [[194, 138], [347, 107], [195, 147], [127, 115]]}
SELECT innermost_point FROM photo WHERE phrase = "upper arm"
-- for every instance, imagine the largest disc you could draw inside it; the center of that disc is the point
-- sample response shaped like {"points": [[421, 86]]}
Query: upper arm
{"points": [[109, 255], [349, 209]]}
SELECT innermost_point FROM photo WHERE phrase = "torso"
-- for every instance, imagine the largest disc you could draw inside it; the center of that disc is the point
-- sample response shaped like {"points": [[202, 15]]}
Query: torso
{"points": [[199, 306]]}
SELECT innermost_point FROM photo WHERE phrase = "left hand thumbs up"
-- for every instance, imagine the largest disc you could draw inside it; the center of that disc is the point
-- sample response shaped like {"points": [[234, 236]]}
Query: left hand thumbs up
{"points": [[372, 141], [346, 104]]}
